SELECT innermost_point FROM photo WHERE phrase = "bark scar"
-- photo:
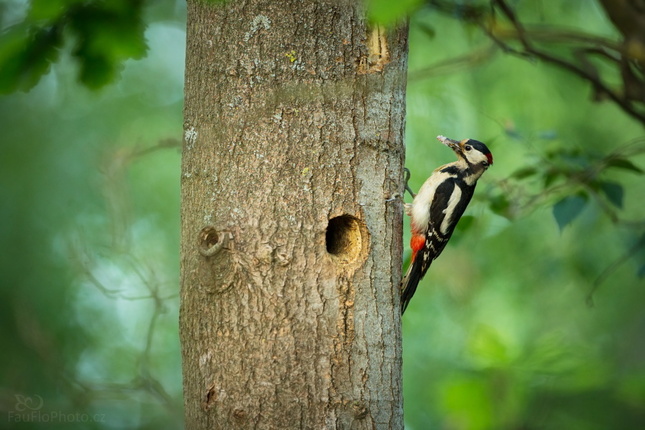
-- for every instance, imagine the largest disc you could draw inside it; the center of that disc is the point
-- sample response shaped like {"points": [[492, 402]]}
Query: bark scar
{"points": [[209, 398], [378, 54]]}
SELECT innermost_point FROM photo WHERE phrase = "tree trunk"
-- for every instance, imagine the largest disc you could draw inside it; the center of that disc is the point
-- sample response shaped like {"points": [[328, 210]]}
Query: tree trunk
{"points": [[290, 249]]}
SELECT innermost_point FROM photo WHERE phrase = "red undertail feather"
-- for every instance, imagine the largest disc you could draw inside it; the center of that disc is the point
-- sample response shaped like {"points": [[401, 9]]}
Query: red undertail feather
{"points": [[416, 243]]}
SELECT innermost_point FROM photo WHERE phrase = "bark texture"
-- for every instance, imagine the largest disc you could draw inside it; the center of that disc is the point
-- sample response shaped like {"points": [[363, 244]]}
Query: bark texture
{"points": [[291, 251]]}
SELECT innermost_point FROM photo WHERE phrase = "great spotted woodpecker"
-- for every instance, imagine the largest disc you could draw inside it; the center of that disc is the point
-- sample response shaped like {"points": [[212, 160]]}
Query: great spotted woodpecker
{"points": [[437, 207]]}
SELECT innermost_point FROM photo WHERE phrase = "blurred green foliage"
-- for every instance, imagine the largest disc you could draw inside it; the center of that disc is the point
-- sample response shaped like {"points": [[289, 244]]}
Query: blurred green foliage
{"points": [[90, 214], [533, 316], [103, 33], [531, 319]]}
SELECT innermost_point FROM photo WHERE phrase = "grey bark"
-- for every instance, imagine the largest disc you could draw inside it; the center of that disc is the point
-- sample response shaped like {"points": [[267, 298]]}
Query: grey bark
{"points": [[291, 241]]}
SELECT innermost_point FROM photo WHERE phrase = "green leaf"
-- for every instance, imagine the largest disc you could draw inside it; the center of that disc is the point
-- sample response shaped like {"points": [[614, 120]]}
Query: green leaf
{"points": [[614, 192], [551, 176], [637, 252], [465, 222], [387, 11], [26, 55], [426, 29], [499, 204], [641, 272], [568, 209], [47, 10], [621, 163], [108, 34], [524, 172]]}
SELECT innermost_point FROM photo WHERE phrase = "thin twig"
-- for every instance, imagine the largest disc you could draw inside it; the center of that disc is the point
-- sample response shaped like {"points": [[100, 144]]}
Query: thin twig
{"points": [[529, 49], [613, 267]]}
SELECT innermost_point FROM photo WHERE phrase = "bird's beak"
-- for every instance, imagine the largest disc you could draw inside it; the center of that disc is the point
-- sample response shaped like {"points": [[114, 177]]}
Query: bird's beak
{"points": [[450, 143]]}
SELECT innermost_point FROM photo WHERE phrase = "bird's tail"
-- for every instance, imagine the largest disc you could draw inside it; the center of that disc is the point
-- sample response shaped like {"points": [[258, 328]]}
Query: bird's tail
{"points": [[409, 284]]}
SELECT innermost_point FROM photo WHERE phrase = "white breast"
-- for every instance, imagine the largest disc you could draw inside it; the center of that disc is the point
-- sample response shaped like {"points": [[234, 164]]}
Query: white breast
{"points": [[423, 200]]}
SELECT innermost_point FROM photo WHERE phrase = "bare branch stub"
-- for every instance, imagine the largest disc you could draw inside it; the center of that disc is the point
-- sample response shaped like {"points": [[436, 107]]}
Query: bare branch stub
{"points": [[210, 241]]}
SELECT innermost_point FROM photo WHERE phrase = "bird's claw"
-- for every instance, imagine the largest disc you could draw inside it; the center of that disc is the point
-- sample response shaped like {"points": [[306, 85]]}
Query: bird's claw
{"points": [[406, 178]]}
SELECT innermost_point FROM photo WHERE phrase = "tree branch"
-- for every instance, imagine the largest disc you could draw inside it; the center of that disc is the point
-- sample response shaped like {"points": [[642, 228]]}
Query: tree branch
{"points": [[531, 51]]}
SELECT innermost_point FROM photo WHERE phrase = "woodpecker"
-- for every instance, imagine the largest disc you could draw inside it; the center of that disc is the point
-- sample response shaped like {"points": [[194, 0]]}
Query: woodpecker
{"points": [[436, 209]]}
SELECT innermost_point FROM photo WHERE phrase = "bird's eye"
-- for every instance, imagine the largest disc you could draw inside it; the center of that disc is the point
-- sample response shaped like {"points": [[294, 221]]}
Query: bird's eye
{"points": [[484, 163], [468, 147]]}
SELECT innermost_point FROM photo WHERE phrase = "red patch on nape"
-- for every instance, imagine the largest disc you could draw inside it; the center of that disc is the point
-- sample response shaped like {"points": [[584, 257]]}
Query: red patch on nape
{"points": [[417, 242], [490, 158]]}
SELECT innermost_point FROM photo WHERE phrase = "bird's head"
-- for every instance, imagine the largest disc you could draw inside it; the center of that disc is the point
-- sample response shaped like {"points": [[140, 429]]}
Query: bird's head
{"points": [[473, 152]]}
